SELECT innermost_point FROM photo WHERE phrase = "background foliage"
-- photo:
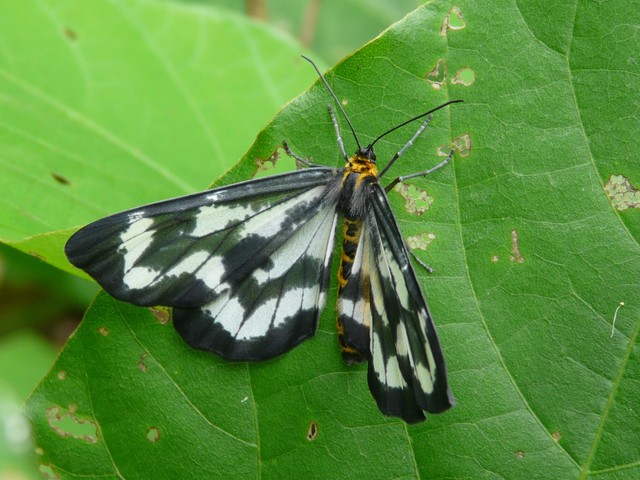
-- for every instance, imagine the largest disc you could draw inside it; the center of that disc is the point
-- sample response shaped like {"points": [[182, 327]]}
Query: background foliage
{"points": [[532, 232]]}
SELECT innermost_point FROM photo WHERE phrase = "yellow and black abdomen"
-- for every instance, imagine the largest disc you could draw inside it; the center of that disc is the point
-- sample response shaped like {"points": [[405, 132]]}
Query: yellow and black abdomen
{"points": [[353, 312]]}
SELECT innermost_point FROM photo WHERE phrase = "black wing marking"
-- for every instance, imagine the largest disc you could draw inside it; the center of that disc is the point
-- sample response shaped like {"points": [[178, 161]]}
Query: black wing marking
{"points": [[246, 266], [167, 253], [407, 372], [275, 307]]}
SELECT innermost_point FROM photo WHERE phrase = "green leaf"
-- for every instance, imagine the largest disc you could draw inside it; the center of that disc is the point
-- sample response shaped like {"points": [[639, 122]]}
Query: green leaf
{"points": [[532, 256], [332, 28], [106, 105]]}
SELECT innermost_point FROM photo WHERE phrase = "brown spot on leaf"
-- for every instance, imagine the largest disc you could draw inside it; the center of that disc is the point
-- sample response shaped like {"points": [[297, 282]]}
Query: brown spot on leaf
{"points": [[516, 255], [142, 366], [70, 34], [62, 375], [103, 331], [557, 436], [162, 314], [520, 454], [60, 179]]}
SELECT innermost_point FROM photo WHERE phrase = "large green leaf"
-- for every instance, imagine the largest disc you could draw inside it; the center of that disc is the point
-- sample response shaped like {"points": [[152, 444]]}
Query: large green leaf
{"points": [[533, 250], [107, 104]]}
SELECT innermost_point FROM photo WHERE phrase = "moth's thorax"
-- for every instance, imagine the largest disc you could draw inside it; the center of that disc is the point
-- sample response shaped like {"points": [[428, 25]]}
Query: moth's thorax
{"points": [[361, 165]]}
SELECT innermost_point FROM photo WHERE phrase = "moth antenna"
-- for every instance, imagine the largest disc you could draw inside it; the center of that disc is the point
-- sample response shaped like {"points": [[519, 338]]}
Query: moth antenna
{"points": [[414, 119], [326, 84]]}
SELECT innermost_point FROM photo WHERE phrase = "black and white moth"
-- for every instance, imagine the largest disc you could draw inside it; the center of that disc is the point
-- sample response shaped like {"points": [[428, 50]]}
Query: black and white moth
{"points": [[246, 269]]}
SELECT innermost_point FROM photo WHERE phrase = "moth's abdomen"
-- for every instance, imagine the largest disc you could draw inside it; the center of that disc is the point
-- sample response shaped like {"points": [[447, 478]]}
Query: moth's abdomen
{"points": [[351, 231]]}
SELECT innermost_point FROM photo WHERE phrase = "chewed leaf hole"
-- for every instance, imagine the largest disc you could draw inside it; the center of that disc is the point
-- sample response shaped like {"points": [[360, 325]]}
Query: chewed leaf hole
{"points": [[416, 200], [516, 255], [420, 241], [162, 314], [265, 164], [438, 75], [47, 472], [461, 144], [621, 193], [312, 431], [67, 423], [153, 434], [453, 21], [465, 76]]}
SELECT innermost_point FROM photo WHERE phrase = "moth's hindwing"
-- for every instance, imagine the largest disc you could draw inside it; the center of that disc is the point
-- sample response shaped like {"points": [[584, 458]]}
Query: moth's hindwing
{"points": [[407, 372], [245, 266]]}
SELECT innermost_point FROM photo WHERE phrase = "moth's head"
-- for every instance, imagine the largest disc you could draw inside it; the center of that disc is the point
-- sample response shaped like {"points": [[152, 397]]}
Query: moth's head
{"points": [[367, 153]]}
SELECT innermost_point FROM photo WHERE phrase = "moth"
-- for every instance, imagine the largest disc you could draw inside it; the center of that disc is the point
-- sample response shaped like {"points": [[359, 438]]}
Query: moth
{"points": [[246, 269]]}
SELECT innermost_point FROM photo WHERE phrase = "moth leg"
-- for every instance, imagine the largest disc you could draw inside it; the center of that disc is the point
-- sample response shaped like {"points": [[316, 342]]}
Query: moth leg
{"points": [[299, 160], [420, 262], [420, 174], [339, 138], [400, 152]]}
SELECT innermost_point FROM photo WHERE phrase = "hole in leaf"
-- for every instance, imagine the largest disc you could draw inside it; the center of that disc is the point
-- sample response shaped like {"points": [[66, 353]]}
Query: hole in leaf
{"points": [[495, 259], [66, 423], [416, 200], [452, 21], [461, 144], [621, 193], [420, 241], [438, 75], [465, 76], [47, 472], [312, 431], [62, 375], [520, 454], [266, 164]]}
